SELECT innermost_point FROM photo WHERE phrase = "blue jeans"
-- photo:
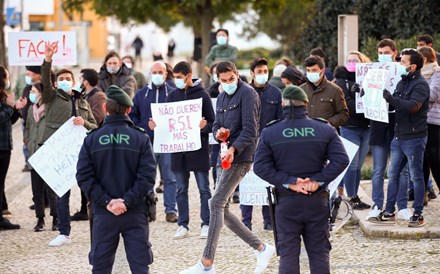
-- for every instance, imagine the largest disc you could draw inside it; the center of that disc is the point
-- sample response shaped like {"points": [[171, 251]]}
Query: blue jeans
{"points": [[63, 213], [246, 214], [380, 156], [405, 152], [360, 137], [202, 178], [169, 182], [220, 213]]}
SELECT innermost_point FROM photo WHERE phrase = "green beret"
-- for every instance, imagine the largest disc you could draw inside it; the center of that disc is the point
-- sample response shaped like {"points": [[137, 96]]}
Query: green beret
{"points": [[295, 93], [116, 94]]}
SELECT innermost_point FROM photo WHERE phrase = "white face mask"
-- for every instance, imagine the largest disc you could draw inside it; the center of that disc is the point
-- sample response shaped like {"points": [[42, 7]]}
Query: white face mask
{"points": [[313, 76], [129, 65], [8, 84]]}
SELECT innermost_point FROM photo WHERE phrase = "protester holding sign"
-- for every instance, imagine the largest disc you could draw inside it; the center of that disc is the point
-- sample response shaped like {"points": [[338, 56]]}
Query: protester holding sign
{"points": [[290, 155], [238, 113], [357, 129], [410, 100], [197, 161], [61, 103], [8, 116]]}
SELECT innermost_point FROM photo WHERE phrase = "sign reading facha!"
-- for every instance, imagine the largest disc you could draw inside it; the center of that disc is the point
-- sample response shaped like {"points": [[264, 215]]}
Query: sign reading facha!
{"points": [[177, 126]]}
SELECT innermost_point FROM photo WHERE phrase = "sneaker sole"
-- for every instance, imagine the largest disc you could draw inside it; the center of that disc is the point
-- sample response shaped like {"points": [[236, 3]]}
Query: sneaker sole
{"points": [[180, 237], [416, 225], [376, 221]]}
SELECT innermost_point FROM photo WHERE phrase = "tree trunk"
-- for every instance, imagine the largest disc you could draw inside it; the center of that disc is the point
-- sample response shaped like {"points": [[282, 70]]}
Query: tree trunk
{"points": [[207, 17], [3, 60]]}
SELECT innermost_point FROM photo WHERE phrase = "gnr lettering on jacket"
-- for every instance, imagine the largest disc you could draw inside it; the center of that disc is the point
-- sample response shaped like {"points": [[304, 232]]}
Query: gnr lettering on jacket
{"points": [[298, 132], [114, 139]]}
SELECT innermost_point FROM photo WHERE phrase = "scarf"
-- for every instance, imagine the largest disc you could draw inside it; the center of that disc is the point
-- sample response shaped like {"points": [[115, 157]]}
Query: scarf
{"points": [[429, 69], [38, 112]]}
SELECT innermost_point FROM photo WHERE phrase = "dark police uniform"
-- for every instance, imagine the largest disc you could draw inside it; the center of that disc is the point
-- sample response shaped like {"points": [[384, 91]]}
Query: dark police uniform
{"points": [[299, 147], [117, 161]]}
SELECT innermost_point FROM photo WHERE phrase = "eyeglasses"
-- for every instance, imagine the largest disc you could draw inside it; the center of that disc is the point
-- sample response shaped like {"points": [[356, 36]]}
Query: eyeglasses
{"points": [[353, 61]]}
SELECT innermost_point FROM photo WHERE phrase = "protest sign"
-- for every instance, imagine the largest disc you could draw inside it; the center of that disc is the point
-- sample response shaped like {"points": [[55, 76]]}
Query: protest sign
{"points": [[177, 126], [351, 152], [253, 190], [361, 73], [375, 107], [212, 140], [27, 48], [56, 160]]}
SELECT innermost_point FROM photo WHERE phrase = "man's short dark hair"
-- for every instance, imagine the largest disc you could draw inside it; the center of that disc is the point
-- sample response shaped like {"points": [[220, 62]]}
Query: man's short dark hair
{"points": [[426, 38], [415, 57], [182, 67], [225, 66], [224, 30], [64, 71], [314, 60], [387, 42], [318, 52], [90, 75], [115, 108], [258, 62]]}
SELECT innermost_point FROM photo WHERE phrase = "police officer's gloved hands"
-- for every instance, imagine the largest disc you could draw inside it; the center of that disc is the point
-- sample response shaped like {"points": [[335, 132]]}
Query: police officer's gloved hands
{"points": [[387, 95]]}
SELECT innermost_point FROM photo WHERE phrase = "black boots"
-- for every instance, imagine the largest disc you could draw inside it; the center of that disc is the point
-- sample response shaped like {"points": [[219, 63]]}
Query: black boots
{"points": [[40, 225]]}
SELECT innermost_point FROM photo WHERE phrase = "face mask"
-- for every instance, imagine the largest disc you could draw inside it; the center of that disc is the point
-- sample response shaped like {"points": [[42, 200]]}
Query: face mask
{"points": [[180, 83], [229, 88], [65, 85], [157, 79], [33, 98], [222, 40], [77, 87], [402, 70], [351, 67], [28, 80], [215, 78], [129, 65], [313, 76], [261, 79], [113, 70], [385, 58]]}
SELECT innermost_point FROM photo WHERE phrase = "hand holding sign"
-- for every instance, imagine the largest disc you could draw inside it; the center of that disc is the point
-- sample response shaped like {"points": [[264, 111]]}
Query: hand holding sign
{"points": [[387, 95], [203, 123], [151, 124]]}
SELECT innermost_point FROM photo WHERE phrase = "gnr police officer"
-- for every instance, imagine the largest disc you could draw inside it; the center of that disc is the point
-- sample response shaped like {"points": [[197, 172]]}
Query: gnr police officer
{"points": [[116, 169], [292, 154]]}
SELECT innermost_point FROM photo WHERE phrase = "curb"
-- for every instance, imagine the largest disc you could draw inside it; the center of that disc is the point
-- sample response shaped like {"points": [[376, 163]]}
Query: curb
{"points": [[400, 230]]}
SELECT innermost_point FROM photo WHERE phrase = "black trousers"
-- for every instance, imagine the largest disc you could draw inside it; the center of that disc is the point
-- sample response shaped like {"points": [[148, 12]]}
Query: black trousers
{"points": [[5, 159], [307, 217], [134, 229], [431, 160], [39, 190]]}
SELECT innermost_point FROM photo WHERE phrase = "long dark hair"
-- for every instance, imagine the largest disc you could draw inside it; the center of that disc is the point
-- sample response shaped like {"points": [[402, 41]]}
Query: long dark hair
{"points": [[3, 74]]}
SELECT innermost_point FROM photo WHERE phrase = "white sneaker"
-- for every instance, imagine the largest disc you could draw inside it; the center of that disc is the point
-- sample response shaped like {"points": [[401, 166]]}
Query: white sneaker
{"points": [[373, 213], [204, 232], [181, 232], [60, 240], [263, 258], [404, 214], [199, 268]]}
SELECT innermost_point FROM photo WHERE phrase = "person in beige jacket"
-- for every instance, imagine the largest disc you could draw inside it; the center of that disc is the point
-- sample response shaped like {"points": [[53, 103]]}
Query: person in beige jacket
{"points": [[326, 99]]}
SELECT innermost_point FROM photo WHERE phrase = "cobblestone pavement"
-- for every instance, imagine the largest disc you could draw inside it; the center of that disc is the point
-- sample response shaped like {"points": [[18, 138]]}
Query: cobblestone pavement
{"points": [[25, 251]]}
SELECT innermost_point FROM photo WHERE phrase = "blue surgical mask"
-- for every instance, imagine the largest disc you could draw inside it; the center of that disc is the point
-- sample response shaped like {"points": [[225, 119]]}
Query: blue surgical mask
{"points": [[215, 78], [78, 87], [385, 58], [261, 79], [222, 40], [28, 80], [33, 98], [157, 79], [229, 88], [65, 85], [113, 70], [313, 76], [402, 70], [180, 83]]}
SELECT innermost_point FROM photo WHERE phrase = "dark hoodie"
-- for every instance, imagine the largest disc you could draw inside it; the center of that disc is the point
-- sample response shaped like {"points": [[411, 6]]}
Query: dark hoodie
{"points": [[345, 80], [194, 160]]}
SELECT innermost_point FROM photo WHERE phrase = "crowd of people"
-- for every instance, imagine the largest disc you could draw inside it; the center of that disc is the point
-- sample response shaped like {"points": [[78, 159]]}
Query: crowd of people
{"points": [[285, 126]]}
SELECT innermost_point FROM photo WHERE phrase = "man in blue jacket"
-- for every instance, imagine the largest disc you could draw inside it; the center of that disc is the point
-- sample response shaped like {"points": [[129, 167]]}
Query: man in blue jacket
{"points": [[238, 112], [140, 114], [116, 169], [410, 101], [270, 98], [291, 154]]}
